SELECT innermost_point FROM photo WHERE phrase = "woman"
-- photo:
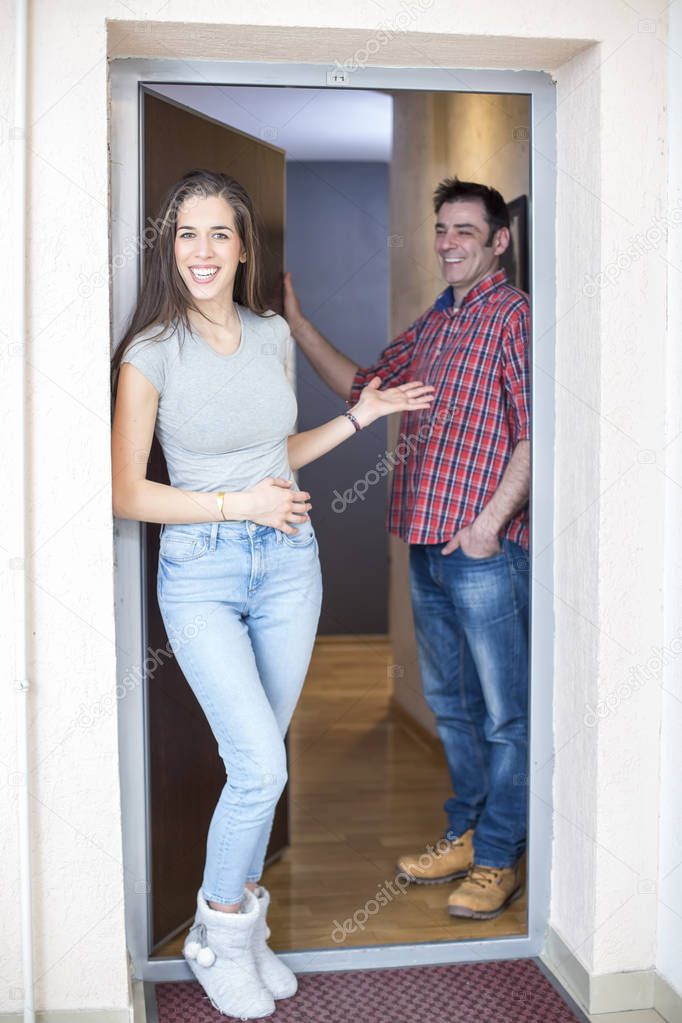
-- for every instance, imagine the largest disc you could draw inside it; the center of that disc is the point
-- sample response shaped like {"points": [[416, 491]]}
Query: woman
{"points": [[239, 587]]}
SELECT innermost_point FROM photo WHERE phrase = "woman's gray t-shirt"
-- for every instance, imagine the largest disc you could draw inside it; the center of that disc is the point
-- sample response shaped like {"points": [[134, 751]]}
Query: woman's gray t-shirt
{"points": [[222, 420]]}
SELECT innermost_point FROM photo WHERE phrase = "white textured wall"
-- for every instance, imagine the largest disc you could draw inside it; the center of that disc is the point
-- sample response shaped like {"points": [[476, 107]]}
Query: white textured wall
{"points": [[610, 395], [80, 957], [610, 367]]}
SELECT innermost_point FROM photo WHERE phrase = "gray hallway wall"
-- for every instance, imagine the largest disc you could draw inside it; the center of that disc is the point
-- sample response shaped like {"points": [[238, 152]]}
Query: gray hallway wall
{"points": [[337, 250]]}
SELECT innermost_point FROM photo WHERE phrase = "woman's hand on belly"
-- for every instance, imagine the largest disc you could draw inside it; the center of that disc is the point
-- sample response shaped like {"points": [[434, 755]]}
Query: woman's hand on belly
{"points": [[272, 502]]}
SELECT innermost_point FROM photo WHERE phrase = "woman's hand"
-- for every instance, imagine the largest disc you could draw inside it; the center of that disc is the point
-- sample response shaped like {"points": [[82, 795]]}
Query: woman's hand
{"points": [[373, 403], [272, 502]]}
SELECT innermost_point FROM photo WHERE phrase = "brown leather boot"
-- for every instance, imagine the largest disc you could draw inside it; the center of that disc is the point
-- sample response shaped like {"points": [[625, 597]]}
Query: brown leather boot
{"points": [[486, 891], [447, 860]]}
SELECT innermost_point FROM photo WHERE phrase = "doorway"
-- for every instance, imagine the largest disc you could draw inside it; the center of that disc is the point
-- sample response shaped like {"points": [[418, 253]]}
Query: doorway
{"points": [[432, 949]]}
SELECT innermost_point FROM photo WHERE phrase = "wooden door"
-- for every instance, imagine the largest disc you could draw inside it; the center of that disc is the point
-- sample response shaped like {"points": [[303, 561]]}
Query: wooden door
{"points": [[184, 771]]}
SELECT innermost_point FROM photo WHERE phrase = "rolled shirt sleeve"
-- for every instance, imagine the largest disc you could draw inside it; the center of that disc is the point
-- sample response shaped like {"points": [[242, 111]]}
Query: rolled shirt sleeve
{"points": [[392, 366]]}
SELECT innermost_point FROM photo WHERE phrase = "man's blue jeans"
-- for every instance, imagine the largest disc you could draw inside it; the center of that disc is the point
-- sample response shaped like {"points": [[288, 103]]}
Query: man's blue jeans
{"points": [[240, 603], [471, 620]]}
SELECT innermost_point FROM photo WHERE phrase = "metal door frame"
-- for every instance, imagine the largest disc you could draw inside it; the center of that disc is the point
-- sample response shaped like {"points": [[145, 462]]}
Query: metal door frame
{"points": [[127, 79]]}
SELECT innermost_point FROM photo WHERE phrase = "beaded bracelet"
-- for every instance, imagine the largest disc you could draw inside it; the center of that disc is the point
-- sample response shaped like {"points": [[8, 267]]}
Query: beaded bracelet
{"points": [[349, 415]]}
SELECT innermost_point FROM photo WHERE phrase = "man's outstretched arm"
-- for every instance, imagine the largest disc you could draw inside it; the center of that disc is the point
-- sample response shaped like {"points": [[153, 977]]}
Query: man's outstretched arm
{"points": [[335, 368]]}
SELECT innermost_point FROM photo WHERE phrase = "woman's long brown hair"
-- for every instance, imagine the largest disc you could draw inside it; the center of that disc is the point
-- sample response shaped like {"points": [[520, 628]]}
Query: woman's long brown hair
{"points": [[164, 296]]}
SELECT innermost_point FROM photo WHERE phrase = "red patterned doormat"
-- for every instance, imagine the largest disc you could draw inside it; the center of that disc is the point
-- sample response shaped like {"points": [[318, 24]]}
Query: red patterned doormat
{"points": [[508, 991]]}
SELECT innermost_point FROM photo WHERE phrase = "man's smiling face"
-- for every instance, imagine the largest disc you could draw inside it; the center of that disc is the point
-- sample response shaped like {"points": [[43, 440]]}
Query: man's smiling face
{"points": [[461, 244]]}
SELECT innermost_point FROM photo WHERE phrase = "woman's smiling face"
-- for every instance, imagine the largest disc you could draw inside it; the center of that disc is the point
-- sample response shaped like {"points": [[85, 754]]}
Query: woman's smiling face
{"points": [[208, 249]]}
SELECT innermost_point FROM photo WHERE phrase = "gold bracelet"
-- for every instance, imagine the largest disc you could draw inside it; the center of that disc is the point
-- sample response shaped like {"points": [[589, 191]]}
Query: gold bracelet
{"points": [[219, 499]]}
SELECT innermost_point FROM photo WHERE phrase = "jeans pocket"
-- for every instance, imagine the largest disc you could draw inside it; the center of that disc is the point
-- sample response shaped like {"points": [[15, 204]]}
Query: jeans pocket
{"points": [[299, 540], [182, 547], [473, 561], [519, 560]]}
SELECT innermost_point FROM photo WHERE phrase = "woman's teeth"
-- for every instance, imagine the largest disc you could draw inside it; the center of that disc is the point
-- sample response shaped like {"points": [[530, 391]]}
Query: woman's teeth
{"points": [[200, 276]]}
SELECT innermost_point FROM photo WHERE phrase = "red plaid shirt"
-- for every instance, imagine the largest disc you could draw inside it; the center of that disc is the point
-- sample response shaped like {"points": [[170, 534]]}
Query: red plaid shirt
{"points": [[449, 459]]}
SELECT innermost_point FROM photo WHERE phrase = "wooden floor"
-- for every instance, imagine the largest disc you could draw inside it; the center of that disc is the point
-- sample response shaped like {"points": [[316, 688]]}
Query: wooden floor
{"points": [[363, 789]]}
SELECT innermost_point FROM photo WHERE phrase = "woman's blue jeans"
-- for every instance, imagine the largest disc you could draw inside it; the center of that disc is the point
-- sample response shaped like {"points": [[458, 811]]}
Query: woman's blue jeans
{"points": [[471, 620], [241, 603]]}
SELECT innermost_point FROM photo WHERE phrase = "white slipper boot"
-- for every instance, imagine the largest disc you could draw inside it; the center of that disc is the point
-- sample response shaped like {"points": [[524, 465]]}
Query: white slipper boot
{"points": [[219, 952], [280, 980]]}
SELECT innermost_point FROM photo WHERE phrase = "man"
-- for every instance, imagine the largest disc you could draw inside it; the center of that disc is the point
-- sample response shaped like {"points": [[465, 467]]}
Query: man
{"points": [[460, 500]]}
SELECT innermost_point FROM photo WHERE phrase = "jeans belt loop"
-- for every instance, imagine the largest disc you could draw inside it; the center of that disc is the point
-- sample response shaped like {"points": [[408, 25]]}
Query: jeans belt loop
{"points": [[214, 536]]}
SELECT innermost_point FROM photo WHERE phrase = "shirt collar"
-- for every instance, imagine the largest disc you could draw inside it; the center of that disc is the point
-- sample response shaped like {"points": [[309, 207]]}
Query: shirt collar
{"points": [[446, 300]]}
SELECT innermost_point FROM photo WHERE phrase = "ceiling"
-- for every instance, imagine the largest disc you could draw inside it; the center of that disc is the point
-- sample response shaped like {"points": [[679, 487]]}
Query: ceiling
{"points": [[310, 124]]}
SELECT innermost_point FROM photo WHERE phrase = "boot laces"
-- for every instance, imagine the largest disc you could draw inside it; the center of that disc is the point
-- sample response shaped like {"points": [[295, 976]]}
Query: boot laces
{"points": [[483, 876]]}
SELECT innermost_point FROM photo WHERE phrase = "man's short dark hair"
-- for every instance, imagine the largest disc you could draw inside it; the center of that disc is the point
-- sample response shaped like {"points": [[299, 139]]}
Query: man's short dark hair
{"points": [[494, 206]]}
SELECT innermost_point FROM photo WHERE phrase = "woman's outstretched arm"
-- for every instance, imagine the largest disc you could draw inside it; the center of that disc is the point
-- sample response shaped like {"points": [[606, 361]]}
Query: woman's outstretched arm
{"points": [[271, 502], [311, 444]]}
